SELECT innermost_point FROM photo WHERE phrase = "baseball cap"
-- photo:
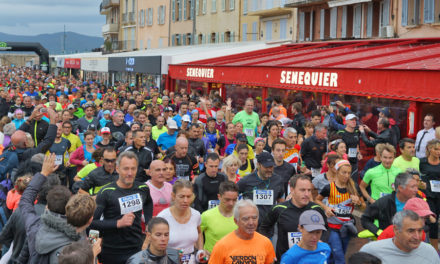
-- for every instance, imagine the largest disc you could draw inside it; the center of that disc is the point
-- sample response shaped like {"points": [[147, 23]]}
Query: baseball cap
{"points": [[91, 127], [43, 97], [71, 106], [172, 124], [186, 118], [105, 130], [312, 220], [385, 111], [241, 137], [419, 206], [211, 119], [350, 117], [167, 109], [74, 90], [266, 159]]}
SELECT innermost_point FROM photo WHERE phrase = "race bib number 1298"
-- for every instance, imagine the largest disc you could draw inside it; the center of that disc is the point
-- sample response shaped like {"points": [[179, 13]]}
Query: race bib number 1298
{"points": [[130, 203]]}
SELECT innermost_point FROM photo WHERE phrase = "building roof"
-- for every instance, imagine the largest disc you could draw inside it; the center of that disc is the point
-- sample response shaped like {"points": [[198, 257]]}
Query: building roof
{"points": [[405, 69]]}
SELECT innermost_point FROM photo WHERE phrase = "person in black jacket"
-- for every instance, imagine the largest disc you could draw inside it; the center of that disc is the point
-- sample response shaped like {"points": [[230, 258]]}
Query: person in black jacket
{"points": [[313, 149], [299, 120], [384, 208], [144, 154], [24, 143], [35, 126], [286, 214], [384, 136]]}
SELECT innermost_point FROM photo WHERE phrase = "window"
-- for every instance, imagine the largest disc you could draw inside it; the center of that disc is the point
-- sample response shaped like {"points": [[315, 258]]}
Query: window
{"points": [[126, 6], [149, 44], [214, 6], [283, 28], [192, 8], [142, 18], [185, 11], [204, 6], [357, 21], [244, 32], [223, 5], [301, 26], [370, 20], [189, 39], [231, 4], [133, 6], [150, 17], [344, 22], [428, 11], [179, 10], [322, 24], [385, 13], [269, 4], [404, 13], [254, 5], [160, 42], [333, 21], [213, 37], [173, 10], [245, 7]]}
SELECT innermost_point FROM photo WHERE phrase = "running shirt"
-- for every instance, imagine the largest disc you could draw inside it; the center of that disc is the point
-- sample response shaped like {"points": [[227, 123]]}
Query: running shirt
{"points": [[292, 155], [186, 167], [61, 151], [161, 196], [338, 199], [215, 226], [381, 180], [250, 123]]}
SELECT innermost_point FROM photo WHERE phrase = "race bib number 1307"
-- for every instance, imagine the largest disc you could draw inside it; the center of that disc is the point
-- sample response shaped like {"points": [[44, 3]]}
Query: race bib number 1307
{"points": [[130, 203]]}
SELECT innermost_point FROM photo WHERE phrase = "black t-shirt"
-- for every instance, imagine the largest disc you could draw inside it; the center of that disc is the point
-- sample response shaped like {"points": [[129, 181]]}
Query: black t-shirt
{"points": [[185, 166], [112, 144], [208, 186], [112, 203], [351, 139], [198, 145], [60, 149], [122, 128], [152, 144], [429, 173], [27, 111], [312, 150]]}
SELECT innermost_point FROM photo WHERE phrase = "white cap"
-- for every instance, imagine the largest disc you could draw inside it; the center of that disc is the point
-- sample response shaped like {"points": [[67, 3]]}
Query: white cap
{"points": [[350, 117], [172, 124], [186, 118]]}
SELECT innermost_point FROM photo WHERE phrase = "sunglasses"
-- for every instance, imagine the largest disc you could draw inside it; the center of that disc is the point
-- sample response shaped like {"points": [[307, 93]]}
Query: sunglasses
{"points": [[110, 160]]}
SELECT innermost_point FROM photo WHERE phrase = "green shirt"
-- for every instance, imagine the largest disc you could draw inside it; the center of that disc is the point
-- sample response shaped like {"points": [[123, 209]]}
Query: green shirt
{"points": [[215, 226], [381, 180], [85, 171], [403, 164], [155, 132], [250, 124]]}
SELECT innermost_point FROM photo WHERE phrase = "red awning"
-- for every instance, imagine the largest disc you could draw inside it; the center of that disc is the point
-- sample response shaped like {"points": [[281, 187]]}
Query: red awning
{"points": [[406, 69]]}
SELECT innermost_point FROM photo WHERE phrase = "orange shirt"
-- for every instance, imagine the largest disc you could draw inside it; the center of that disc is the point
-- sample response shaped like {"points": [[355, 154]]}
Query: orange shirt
{"points": [[232, 249], [13, 199]]}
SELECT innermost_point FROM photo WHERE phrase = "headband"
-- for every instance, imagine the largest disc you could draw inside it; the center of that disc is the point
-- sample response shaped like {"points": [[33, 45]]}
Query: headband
{"points": [[341, 163]]}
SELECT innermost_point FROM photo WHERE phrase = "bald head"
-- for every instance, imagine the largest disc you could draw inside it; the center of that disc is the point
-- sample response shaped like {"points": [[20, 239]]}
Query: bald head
{"points": [[18, 139], [157, 164], [181, 147]]}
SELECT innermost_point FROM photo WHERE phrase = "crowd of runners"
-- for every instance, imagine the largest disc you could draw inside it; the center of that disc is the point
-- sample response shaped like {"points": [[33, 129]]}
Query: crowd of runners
{"points": [[124, 173]]}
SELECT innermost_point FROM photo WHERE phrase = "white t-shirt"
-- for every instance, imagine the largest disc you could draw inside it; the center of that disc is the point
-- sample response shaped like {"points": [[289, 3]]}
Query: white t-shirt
{"points": [[182, 236], [387, 251]]}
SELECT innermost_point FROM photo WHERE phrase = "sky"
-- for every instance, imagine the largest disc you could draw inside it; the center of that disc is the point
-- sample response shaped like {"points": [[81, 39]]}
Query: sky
{"points": [[34, 17]]}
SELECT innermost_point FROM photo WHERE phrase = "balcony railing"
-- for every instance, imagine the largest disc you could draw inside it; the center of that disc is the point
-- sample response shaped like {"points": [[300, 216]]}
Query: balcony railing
{"points": [[108, 3], [110, 28], [267, 7]]}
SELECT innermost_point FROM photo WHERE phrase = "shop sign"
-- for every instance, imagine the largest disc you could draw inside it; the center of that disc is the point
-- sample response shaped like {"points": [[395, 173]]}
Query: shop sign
{"points": [[150, 64], [4, 46], [323, 79], [200, 73]]}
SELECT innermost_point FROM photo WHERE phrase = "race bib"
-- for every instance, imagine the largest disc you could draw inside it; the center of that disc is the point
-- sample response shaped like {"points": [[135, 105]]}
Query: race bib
{"points": [[58, 159], [293, 238], [342, 209], [352, 152], [383, 194], [213, 203], [435, 186], [263, 197], [185, 259], [183, 178], [130, 203], [249, 132]]}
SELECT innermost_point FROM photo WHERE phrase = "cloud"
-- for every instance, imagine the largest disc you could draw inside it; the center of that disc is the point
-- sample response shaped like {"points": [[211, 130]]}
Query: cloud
{"points": [[29, 17]]}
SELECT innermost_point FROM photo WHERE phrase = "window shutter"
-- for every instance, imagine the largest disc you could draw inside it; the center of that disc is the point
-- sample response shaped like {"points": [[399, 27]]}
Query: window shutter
{"points": [[179, 10], [231, 4], [173, 11], [301, 26], [344, 22], [222, 37], [322, 24], [283, 28], [192, 9], [151, 16], [216, 37], [254, 5], [268, 30], [173, 40], [357, 21], [245, 7], [204, 6], [232, 38], [254, 31], [184, 9], [244, 38], [386, 13], [214, 6]]}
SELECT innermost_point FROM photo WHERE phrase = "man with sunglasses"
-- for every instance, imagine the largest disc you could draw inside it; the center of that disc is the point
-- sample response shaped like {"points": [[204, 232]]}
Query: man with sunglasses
{"points": [[103, 175]]}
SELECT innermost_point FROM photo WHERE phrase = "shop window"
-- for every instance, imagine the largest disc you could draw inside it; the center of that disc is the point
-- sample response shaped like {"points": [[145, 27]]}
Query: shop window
{"points": [[227, 36], [239, 94]]}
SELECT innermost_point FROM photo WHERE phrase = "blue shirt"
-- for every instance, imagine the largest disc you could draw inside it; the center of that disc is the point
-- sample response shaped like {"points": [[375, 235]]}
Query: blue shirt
{"points": [[166, 141], [298, 255], [178, 120], [34, 93], [399, 205]]}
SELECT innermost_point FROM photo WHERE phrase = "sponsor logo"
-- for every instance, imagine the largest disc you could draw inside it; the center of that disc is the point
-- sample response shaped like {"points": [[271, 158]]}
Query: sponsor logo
{"points": [[200, 73], [324, 79]]}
